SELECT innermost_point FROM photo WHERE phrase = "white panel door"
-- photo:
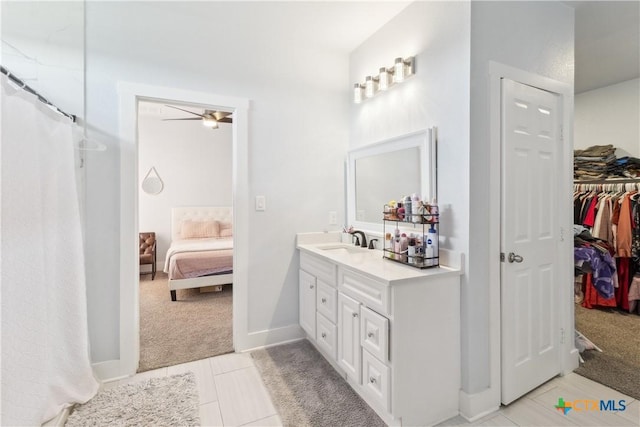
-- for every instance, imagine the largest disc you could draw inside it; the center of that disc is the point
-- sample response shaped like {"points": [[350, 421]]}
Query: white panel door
{"points": [[349, 350], [307, 303], [531, 138]]}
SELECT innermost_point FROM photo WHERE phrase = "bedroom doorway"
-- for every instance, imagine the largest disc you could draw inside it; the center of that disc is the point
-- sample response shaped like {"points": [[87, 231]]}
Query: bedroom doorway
{"points": [[185, 223]]}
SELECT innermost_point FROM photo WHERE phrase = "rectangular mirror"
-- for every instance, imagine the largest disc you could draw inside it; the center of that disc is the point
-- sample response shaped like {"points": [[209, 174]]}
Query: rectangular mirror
{"points": [[387, 170]]}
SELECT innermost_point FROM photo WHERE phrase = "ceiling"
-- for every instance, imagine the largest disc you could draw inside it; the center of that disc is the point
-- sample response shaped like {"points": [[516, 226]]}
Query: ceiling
{"points": [[607, 43]]}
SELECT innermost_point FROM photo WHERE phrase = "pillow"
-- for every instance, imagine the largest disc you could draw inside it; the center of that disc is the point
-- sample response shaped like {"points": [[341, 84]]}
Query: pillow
{"points": [[199, 229], [226, 229]]}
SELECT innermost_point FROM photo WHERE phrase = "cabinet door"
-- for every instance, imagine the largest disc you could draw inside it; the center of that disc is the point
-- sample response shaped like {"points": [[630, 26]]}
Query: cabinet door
{"points": [[307, 303], [349, 350]]}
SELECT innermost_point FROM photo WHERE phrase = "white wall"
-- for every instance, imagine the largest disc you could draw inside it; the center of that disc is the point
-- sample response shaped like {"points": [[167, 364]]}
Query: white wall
{"points": [[194, 163], [43, 45], [437, 34], [298, 126], [532, 36], [609, 115]]}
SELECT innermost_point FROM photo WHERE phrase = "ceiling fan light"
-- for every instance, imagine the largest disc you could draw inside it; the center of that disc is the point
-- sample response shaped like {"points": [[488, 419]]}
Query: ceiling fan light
{"points": [[210, 122]]}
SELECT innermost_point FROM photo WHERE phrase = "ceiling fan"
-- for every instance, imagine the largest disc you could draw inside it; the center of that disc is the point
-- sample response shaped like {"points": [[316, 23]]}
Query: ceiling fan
{"points": [[210, 118]]}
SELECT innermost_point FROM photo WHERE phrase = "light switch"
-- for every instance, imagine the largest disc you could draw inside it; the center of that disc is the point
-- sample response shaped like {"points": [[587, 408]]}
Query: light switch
{"points": [[261, 203]]}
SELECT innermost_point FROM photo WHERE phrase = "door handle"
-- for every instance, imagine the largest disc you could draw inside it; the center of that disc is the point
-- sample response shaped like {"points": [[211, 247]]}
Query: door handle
{"points": [[515, 258]]}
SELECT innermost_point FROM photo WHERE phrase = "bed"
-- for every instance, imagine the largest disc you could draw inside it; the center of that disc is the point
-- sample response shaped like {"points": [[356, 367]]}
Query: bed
{"points": [[201, 251]]}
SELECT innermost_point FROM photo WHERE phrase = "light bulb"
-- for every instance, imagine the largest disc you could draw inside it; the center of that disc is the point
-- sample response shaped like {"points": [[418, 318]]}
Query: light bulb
{"points": [[383, 79], [210, 122], [368, 87], [398, 70], [357, 93]]}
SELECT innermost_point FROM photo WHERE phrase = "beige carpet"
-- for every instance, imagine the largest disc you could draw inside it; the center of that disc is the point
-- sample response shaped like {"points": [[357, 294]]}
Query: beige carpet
{"points": [[618, 335], [197, 326]]}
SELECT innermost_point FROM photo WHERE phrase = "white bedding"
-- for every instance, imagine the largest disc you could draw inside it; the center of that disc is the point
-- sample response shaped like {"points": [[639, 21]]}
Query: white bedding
{"points": [[195, 245]]}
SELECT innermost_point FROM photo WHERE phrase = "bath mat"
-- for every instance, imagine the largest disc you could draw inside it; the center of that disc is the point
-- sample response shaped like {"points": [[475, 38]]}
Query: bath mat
{"points": [[166, 401], [307, 391]]}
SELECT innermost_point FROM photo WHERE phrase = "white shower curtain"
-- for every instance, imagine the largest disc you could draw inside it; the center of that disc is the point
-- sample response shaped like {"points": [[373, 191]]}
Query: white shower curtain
{"points": [[45, 349]]}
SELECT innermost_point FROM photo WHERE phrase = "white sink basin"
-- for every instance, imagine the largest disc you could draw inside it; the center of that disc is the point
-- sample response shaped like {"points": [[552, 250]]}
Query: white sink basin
{"points": [[340, 247]]}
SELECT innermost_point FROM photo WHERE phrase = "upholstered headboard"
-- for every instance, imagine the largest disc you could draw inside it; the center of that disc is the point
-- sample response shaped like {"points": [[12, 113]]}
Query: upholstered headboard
{"points": [[224, 214]]}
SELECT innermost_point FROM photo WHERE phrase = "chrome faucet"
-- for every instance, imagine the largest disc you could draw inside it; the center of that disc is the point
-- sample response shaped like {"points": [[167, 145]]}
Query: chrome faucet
{"points": [[362, 244]]}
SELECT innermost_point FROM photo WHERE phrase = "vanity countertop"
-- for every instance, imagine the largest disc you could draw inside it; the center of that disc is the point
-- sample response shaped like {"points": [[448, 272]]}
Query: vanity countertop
{"points": [[366, 261]]}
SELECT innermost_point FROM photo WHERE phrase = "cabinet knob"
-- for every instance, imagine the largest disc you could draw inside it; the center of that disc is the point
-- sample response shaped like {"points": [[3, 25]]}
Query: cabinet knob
{"points": [[310, 286], [324, 300], [324, 335], [354, 314], [370, 334], [372, 380]]}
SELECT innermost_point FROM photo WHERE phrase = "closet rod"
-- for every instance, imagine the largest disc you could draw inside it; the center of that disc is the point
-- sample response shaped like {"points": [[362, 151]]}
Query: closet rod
{"points": [[41, 98], [609, 181]]}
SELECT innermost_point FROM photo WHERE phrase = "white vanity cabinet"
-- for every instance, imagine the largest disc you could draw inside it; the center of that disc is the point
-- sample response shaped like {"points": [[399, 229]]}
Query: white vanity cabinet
{"points": [[392, 331], [318, 302]]}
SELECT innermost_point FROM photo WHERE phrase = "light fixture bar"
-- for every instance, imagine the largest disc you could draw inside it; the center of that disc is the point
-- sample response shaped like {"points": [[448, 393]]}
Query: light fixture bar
{"points": [[387, 77]]}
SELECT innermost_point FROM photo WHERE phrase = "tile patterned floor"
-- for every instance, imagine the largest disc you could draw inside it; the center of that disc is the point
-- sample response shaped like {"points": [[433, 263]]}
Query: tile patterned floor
{"points": [[233, 394], [230, 388]]}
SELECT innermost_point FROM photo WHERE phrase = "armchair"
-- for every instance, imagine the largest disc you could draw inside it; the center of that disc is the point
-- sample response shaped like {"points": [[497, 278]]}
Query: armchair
{"points": [[148, 252]]}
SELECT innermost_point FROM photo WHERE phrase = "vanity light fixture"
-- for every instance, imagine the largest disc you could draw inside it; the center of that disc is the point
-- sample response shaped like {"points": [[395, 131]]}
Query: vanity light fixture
{"points": [[357, 93], [369, 87], [386, 78], [383, 79]]}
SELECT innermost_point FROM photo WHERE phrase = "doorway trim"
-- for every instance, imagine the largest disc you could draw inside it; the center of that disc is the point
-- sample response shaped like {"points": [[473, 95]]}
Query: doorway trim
{"points": [[129, 94], [569, 355], [474, 406]]}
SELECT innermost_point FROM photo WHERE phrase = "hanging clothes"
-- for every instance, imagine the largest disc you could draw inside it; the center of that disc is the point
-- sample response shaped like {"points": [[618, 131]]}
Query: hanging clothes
{"points": [[612, 215]]}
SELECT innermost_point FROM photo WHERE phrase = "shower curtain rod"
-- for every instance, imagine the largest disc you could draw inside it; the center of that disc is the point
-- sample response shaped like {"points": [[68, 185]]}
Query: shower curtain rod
{"points": [[29, 89]]}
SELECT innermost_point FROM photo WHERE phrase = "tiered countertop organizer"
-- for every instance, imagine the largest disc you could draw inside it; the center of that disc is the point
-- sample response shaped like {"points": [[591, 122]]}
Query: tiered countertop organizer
{"points": [[421, 223]]}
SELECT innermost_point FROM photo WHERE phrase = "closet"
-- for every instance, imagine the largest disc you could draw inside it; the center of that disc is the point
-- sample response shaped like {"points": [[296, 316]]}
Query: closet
{"points": [[607, 243]]}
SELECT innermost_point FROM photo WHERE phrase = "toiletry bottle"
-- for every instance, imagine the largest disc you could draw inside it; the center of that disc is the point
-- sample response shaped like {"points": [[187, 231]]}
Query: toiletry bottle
{"points": [[432, 242], [388, 246], [404, 247], [408, 209], [411, 253], [401, 211], [427, 250], [415, 208], [434, 210]]}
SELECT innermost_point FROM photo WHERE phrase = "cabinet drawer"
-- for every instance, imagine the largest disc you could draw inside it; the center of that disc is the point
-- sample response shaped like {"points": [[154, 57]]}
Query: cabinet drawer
{"points": [[374, 333], [320, 268], [327, 336], [327, 301], [372, 293], [376, 380]]}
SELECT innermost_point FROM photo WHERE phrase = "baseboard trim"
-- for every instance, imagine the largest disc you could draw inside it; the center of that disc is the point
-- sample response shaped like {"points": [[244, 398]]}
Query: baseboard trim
{"points": [[271, 337], [108, 370], [477, 405]]}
